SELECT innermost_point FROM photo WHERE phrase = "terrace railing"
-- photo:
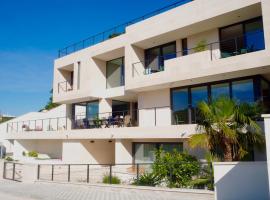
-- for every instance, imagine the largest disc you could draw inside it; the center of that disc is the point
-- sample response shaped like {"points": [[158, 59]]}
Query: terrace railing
{"points": [[243, 44], [115, 31], [48, 124], [64, 87], [126, 174]]}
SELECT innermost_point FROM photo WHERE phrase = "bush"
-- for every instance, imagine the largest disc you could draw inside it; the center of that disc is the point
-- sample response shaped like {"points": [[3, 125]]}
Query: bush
{"points": [[176, 168], [201, 46], [147, 179], [9, 159], [23, 153], [115, 180], [33, 154]]}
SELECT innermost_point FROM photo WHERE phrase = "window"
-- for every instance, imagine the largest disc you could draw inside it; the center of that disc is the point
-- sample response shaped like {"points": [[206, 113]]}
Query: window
{"points": [[92, 109], [115, 73], [242, 38], [222, 89], [198, 94], [180, 106], [243, 91], [184, 101], [145, 152], [155, 57]]}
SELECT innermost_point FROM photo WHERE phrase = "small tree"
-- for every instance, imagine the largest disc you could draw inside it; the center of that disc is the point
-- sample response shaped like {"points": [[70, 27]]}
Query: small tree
{"points": [[175, 168], [50, 105]]}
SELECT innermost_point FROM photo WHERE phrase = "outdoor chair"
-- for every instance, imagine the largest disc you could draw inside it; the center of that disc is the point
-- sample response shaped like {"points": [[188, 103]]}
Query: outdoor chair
{"points": [[127, 121]]}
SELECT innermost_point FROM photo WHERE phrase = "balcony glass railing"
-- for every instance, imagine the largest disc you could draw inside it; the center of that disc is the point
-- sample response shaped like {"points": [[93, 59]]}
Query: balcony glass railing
{"points": [[247, 43], [115, 31], [46, 124]]}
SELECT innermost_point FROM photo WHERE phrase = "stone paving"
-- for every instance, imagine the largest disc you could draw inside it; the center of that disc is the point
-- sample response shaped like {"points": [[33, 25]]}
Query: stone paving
{"points": [[10, 190]]}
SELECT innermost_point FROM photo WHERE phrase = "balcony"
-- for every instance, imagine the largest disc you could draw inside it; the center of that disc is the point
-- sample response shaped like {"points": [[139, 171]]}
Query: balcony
{"points": [[239, 45]]}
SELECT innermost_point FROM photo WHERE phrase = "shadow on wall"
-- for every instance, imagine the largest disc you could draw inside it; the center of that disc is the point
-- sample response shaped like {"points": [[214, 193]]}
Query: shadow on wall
{"points": [[241, 180], [100, 151]]}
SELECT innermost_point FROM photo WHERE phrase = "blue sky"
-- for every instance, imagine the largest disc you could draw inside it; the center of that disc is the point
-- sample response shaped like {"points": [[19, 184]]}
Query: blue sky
{"points": [[32, 31]]}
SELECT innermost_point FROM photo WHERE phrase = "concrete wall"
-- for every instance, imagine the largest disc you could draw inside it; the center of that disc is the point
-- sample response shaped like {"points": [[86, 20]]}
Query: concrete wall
{"points": [[50, 148], [242, 180], [83, 151], [154, 108]]}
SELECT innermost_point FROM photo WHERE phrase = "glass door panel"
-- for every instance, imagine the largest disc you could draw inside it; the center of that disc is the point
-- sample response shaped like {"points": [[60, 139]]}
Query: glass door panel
{"points": [[254, 37], [198, 94], [180, 106]]}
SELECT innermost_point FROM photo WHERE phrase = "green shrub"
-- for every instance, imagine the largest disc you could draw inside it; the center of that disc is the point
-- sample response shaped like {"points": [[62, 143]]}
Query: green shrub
{"points": [[176, 168], [201, 46], [23, 153], [147, 179], [33, 154], [115, 180], [9, 159]]}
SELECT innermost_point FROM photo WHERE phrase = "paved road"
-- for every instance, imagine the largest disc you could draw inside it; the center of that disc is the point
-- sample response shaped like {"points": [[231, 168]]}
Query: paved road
{"points": [[48, 191]]}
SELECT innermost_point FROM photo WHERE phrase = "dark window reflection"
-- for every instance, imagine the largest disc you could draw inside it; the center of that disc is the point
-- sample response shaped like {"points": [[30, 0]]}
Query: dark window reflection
{"points": [[180, 106]]}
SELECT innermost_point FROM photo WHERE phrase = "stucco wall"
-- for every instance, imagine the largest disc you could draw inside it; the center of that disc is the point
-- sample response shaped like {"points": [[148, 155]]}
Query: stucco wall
{"points": [[51, 148], [83, 151], [154, 108], [242, 180]]}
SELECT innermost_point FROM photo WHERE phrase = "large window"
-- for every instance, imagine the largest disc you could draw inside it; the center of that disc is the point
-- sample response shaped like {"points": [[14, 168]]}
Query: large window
{"points": [[242, 38], [221, 89], [184, 100], [155, 57], [243, 91], [145, 152], [115, 73]]}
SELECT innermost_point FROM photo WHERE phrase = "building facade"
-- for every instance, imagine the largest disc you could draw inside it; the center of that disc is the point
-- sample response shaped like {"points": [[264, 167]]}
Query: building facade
{"points": [[138, 88]]}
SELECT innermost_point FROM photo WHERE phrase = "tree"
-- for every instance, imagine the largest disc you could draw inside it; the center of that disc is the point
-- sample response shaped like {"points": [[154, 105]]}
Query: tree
{"points": [[227, 129], [50, 105]]}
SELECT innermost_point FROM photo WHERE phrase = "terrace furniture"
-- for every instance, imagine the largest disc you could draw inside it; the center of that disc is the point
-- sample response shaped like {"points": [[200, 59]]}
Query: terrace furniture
{"points": [[127, 121]]}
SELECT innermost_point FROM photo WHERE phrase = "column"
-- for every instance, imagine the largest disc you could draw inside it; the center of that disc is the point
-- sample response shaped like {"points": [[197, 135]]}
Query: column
{"points": [[267, 143]]}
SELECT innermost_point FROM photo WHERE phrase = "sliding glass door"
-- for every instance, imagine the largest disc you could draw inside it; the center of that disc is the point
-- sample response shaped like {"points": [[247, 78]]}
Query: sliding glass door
{"points": [[155, 57]]}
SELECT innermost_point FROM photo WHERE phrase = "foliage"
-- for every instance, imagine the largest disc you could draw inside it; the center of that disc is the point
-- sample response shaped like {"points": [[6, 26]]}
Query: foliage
{"points": [[114, 35], [201, 46], [115, 180], [23, 153], [97, 121], [33, 154], [9, 159], [4, 119], [227, 128], [206, 176], [147, 179], [177, 168], [50, 105]]}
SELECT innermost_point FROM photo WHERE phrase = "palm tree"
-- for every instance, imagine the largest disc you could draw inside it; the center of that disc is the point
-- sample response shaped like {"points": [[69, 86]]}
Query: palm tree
{"points": [[227, 129]]}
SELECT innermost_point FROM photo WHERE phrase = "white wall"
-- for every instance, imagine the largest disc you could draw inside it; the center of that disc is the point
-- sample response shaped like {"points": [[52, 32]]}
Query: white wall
{"points": [[51, 148], [83, 151], [148, 101], [241, 180], [123, 151]]}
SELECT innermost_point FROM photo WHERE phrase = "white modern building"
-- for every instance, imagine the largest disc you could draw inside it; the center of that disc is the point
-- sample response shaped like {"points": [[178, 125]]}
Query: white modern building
{"points": [[135, 88]]}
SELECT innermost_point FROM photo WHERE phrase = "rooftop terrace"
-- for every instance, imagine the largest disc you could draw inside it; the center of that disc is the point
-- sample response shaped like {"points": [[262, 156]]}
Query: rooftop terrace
{"points": [[115, 31]]}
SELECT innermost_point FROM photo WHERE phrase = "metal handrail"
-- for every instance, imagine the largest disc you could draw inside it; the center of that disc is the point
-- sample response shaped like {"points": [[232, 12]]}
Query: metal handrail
{"points": [[112, 32], [27, 124], [208, 46]]}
